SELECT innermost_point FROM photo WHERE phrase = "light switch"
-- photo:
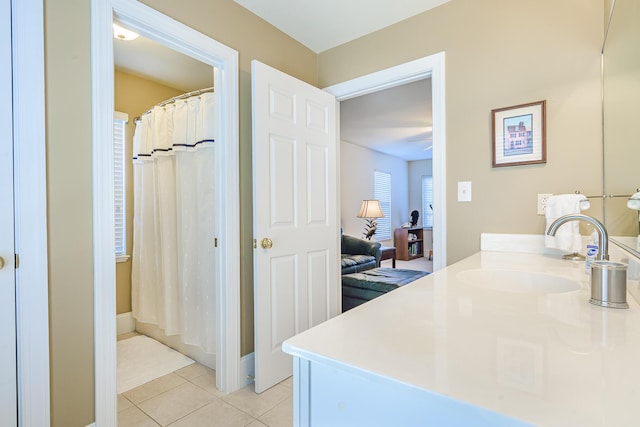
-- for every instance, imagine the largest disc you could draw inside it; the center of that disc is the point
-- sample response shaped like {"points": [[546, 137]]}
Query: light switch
{"points": [[464, 191]]}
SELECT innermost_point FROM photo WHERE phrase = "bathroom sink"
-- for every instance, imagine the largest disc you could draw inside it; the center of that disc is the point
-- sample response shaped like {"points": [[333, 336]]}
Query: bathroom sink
{"points": [[518, 282]]}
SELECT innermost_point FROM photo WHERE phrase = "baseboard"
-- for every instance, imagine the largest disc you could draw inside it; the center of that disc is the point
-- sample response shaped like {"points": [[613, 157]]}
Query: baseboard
{"points": [[247, 369], [125, 323], [92, 425]]}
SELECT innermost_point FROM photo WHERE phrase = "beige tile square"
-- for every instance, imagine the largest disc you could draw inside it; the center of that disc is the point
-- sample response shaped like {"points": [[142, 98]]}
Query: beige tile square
{"points": [[288, 382], [134, 417], [247, 400], [193, 371], [257, 423], [154, 388], [208, 383], [281, 415], [176, 403], [123, 403], [216, 414]]}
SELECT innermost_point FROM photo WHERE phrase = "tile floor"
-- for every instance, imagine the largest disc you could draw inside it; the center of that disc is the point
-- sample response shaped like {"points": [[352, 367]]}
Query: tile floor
{"points": [[188, 397]]}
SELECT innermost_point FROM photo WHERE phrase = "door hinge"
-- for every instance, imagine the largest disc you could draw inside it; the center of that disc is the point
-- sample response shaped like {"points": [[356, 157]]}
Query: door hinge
{"points": [[17, 261], [255, 243], [215, 242]]}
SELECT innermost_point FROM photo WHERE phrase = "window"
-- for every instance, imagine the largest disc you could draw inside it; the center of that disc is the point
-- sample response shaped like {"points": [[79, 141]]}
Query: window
{"points": [[427, 201], [119, 123], [382, 184]]}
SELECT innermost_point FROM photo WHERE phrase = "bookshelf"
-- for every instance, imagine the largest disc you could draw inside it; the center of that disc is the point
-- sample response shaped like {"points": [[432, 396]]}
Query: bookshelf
{"points": [[408, 247]]}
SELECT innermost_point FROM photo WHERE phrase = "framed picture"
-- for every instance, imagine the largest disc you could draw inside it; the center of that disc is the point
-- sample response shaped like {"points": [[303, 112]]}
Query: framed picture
{"points": [[518, 135]]}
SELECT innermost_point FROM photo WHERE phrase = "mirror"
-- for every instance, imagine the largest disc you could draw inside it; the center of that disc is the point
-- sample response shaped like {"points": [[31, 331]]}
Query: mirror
{"points": [[621, 117]]}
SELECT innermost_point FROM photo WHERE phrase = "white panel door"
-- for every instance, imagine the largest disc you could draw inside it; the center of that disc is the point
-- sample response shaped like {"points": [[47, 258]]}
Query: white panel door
{"points": [[8, 390], [296, 279]]}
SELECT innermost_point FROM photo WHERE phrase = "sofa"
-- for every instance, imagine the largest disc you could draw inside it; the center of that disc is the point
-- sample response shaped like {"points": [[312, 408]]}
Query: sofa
{"points": [[358, 255], [358, 288]]}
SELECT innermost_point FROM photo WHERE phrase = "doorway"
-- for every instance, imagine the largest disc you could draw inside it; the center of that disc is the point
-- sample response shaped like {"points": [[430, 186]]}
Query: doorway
{"points": [[432, 66], [160, 28], [165, 147], [385, 143]]}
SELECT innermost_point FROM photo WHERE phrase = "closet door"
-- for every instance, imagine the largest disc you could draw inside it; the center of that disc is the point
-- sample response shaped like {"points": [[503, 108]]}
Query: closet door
{"points": [[296, 279], [8, 390]]}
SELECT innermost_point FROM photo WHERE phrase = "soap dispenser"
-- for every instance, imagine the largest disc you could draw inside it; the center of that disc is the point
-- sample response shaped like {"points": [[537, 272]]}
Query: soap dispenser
{"points": [[592, 251]]}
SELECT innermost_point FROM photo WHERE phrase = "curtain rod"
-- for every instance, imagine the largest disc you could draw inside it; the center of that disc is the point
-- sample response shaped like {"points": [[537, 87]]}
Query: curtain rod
{"points": [[176, 98]]}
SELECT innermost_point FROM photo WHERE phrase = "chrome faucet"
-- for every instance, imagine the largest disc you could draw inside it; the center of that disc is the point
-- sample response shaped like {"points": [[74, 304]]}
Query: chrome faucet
{"points": [[603, 236], [608, 279]]}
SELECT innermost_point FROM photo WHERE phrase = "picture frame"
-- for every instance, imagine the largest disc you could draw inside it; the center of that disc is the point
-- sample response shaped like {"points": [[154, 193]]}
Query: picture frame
{"points": [[518, 135]]}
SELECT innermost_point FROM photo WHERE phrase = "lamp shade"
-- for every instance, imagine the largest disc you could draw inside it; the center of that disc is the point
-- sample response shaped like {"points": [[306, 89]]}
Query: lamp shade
{"points": [[370, 209]]}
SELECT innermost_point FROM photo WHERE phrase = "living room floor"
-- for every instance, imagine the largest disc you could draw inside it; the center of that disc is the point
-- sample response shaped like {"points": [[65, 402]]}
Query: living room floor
{"points": [[420, 264]]}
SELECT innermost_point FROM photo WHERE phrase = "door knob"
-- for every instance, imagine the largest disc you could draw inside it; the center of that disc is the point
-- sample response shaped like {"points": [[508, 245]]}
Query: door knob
{"points": [[266, 243], [1, 263]]}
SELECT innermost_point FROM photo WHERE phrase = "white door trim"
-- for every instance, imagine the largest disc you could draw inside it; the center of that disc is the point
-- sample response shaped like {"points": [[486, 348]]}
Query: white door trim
{"points": [[175, 35], [30, 186], [430, 66]]}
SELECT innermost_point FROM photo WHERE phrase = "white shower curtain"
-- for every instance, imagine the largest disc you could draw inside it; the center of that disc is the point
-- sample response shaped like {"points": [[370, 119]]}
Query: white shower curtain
{"points": [[173, 262]]}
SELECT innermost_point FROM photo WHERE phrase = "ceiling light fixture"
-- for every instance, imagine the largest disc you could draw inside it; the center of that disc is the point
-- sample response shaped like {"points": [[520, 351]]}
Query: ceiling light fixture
{"points": [[124, 34]]}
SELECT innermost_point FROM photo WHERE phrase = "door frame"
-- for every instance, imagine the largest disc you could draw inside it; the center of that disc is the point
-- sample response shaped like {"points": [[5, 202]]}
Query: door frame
{"points": [[173, 34], [30, 205], [430, 66]]}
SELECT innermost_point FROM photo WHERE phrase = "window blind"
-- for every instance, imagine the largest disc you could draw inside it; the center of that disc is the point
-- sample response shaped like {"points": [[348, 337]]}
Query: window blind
{"points": [[382, 190], [119, 125], [427, 201]]}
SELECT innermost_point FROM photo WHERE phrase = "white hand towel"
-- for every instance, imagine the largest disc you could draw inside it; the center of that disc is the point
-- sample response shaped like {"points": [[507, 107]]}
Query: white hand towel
{"points": [[567, 237]]}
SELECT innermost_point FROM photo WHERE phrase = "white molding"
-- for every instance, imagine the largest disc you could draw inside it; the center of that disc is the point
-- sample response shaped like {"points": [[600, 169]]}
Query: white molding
{"points": [[439, 161], [122, 258], [173, 34], [431, 66], [104, 272], [125, 323], [398, 75], [32, 294]]}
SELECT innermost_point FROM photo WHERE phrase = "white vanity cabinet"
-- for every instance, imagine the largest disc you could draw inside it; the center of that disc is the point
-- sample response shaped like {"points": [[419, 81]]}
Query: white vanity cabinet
{"points": [[457, 348], [328, 395]]}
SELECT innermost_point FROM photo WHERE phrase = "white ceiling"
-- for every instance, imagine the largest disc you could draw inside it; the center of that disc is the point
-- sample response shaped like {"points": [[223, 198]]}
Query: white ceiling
{"points": [[396, 121], [148, 59], [322, 25]]}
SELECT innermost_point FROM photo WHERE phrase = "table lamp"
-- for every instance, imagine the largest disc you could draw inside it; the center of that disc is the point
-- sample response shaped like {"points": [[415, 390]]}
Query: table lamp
{"points": [[370, 210]]}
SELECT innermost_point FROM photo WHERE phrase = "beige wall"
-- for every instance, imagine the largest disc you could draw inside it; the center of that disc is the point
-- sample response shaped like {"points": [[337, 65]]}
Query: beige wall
{"points": [[500, 53], [134, 96], [68, 91], [69, 212]]}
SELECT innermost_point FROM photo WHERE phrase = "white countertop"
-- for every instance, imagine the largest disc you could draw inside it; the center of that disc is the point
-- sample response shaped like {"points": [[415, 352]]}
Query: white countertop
{"points": [[549, 359]]}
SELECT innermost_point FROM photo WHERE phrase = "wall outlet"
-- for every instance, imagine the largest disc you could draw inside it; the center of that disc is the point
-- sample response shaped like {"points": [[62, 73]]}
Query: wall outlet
{"points": [[542, 203]]}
